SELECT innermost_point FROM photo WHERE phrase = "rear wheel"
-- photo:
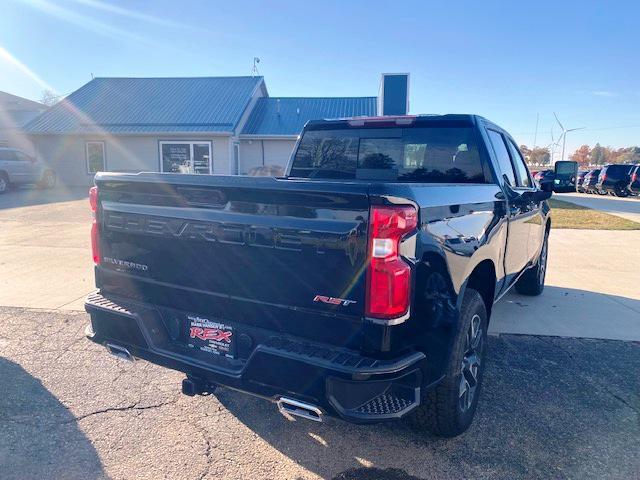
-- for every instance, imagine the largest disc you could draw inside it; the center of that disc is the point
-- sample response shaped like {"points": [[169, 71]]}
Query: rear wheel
{"points": [[48, 180], [4, 182], [532, 281], [448, 410]]}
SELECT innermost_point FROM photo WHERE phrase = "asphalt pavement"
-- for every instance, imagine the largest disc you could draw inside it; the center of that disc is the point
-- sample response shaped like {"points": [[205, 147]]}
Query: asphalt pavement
{"points": [[551, 408]]}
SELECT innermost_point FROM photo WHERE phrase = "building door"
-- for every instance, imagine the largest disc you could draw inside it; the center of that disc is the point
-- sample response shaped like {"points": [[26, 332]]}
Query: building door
{"points": [[186, 157]]}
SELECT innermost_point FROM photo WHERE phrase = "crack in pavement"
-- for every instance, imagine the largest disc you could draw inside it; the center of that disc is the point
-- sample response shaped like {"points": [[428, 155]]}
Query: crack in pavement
{"points": [[132, 407]]}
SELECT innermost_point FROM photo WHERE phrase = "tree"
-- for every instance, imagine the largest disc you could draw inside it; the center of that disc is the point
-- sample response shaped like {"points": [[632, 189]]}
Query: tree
{"points": [[540, 156], [626, 155], [598, 155], [526, 152], [581, 155], [535, 156], [49, 98]]}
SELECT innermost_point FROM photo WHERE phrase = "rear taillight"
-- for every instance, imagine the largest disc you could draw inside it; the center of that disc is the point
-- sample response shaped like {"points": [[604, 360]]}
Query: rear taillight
{"points": [[603, 177], [95, 245], [388, 275], [634, 177]]}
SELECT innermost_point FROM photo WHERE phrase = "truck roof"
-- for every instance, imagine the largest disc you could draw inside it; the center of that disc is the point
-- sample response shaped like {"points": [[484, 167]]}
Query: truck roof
{"points": [[462, 119]]}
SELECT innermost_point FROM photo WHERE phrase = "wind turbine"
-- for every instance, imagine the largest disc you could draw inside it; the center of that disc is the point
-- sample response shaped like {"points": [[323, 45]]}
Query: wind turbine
{"points": [[552, 148], [563, 136]]}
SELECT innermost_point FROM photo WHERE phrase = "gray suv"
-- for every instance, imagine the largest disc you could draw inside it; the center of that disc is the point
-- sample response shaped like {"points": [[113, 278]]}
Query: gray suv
{"points": [[18, 168]]}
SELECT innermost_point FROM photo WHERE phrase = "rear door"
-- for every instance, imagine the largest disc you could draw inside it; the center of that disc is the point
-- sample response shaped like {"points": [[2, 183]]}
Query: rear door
{"points": [[519, 214], [284, 255], [16, 169], [28, 166], [524, 182]]}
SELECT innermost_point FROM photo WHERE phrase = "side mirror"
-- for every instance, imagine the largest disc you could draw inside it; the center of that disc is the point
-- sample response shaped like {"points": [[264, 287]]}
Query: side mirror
{"points": [[547, 187], [542, 195], [536, 196]]}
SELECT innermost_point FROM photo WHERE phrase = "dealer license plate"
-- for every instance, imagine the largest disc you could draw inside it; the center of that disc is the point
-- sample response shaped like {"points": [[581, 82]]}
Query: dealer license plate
{"points": [[210, 336]]}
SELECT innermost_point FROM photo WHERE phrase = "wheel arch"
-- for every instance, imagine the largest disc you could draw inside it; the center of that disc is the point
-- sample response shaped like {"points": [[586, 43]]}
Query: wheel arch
{"points": [[483, 279]]}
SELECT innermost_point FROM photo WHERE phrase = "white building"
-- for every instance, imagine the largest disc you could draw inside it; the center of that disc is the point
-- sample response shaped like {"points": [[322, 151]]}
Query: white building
{"points": [[208, 125]]}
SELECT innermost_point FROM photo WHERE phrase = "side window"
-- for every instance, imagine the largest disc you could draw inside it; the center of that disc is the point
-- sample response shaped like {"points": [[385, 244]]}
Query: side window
{"points": [[502, 156], [8, 155], [521, 167], [21, 157]]}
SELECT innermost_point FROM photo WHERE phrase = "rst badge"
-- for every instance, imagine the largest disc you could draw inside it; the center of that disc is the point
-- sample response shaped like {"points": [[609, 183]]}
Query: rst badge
{"points": [[333, 300]]}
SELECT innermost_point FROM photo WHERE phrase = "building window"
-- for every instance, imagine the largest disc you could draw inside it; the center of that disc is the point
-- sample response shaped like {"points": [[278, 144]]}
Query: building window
{"points": [[95, 157], [186, 157]]}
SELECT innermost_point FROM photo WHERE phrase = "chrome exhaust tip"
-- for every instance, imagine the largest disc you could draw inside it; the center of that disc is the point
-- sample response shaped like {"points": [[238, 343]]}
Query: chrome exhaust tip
{"points": [[289, 406], [120, 352]]}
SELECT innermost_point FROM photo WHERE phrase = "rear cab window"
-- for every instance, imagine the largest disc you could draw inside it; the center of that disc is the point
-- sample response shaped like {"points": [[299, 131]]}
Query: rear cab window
{"points": [[428, 154]]}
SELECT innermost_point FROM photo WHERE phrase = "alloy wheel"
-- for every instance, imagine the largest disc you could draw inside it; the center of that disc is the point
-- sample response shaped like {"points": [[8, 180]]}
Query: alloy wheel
{"points": [[542, 270], [3, 184], [471, 361]]}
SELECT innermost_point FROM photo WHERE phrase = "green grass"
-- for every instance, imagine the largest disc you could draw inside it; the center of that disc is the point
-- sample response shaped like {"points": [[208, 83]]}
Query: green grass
{"points": [[570, 215]]}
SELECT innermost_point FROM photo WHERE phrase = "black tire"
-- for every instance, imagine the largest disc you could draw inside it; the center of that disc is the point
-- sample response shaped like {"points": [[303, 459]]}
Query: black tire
{"points": [[447, 411], [532, 281], [48, 180], [4, 183]]}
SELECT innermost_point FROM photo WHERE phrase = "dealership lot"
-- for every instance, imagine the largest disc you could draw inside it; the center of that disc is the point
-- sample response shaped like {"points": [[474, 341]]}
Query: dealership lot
{"points": [[552, 407]]}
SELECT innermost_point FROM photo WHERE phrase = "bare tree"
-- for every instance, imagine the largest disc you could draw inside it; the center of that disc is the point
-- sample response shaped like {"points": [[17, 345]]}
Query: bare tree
{"points": [[49, 98]]}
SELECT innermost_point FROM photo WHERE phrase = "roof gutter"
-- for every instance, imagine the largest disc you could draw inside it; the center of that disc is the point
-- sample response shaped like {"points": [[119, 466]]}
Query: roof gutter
{"points": [[181, 133], [248, 136]]}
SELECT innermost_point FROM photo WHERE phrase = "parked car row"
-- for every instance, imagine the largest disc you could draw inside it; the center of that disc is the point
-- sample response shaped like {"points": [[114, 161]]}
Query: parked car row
{"points": [[620, 180]]}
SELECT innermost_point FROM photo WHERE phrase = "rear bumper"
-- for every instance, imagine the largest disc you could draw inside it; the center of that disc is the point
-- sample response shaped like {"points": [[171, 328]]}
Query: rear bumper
{"points": [[340, 382]]}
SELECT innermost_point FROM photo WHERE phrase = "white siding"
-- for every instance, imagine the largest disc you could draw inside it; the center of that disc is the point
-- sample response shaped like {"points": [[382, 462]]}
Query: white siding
{"points": [[66, 154], [250, 155], [276, 152]]}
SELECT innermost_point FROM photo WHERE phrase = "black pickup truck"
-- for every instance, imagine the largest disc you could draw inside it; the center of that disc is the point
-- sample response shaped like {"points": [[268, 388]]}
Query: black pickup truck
{"points": [[359, 285]]}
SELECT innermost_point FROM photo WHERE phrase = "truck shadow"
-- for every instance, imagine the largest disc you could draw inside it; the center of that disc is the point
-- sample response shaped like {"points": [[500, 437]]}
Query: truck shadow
{"points": [[538, 411], [38, 435]]}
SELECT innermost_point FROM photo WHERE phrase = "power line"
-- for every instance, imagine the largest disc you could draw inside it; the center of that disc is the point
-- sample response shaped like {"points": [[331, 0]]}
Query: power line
{"points": [[619, 127]]}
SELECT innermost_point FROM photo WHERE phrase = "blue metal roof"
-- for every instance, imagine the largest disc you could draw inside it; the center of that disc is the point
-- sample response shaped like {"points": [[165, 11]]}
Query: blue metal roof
{"points": [[147, 105], [287, 115]]}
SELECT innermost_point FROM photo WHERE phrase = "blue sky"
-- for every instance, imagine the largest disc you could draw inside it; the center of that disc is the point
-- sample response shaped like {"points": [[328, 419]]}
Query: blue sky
{"points": [[508, 61]]}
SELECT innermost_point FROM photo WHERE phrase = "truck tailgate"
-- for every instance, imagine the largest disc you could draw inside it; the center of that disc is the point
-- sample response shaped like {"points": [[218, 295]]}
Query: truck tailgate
{"points": [[270, 253]]}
